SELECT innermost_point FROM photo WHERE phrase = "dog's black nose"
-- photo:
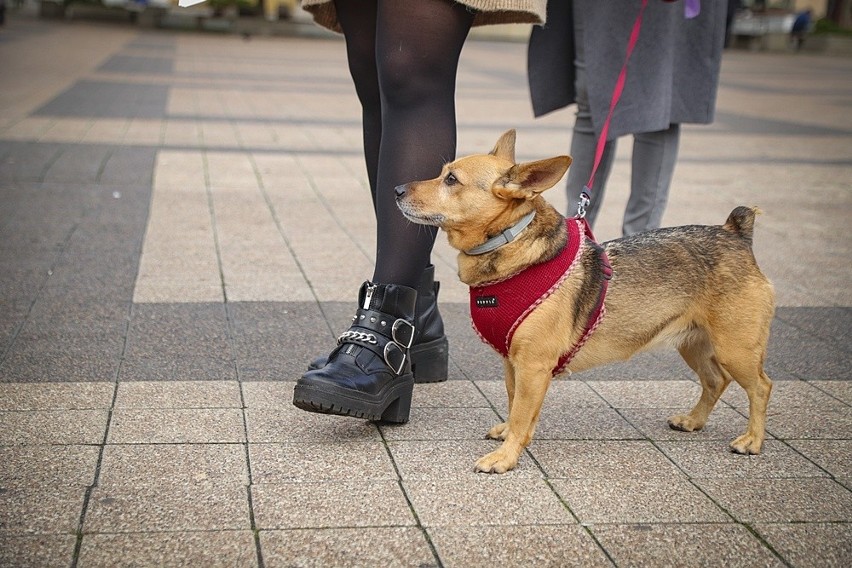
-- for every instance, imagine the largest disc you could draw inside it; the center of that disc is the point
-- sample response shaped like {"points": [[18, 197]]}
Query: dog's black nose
{"points": [[400, 190]]}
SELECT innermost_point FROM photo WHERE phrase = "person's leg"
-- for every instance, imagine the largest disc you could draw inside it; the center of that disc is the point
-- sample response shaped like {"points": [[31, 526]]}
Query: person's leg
{"points": [[370, 374], [417, 48], [654, 158], [584, 139], [358, 20]]}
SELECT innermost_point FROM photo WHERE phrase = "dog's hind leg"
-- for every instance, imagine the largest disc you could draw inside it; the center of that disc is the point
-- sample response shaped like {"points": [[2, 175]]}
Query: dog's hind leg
{"points": [[698, 353], [746, 367]]}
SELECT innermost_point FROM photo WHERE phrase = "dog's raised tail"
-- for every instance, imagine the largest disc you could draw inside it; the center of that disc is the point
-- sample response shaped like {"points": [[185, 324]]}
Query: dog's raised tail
{"points": [[741, 222]]}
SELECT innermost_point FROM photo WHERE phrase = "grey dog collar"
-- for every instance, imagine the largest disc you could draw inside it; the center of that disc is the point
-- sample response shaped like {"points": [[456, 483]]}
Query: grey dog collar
{"points": [[503, 238]]}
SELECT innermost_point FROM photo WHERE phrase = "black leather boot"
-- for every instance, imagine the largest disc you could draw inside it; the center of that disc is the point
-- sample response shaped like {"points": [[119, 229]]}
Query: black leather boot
{"points": [[430, 351], [368, 375]]}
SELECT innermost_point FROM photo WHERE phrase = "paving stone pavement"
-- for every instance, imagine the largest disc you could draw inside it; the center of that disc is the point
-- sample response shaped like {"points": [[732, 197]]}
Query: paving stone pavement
{"points": [[184, 222]]}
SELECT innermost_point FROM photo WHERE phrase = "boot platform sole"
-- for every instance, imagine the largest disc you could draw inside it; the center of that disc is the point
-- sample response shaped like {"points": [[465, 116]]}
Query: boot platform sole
{"points": [[327, 398]]}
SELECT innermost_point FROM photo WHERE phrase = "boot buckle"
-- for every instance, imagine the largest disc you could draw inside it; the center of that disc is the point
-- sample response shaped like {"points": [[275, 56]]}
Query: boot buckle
{"points": [[402, 333], [394, 357]]}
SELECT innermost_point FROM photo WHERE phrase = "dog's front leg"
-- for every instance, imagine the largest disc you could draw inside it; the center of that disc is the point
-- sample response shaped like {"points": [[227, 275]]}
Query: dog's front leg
{"points": [[499, 431], [530, 382]]}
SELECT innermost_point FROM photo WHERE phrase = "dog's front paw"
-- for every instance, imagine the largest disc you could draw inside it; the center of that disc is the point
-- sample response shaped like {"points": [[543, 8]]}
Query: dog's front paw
{"points": [[498, 461], [747, 444], [499, 432], [685, 423]]}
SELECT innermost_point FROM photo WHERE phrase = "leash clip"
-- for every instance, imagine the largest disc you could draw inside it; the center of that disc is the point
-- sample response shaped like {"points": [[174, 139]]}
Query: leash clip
{"points": [[585, 200]]}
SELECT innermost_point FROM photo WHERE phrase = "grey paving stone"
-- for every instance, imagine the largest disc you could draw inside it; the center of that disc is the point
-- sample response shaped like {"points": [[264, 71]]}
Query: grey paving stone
{"points": [[714, 459], [277, 340], [48, 466], [155, 42], [390, 546], [486, 500], [663, 545], [443, 424], [28, 161], [449, 459], [746, 124], [80, 314], [824, 360], [165, 464], [583, 423], [211, 548], [41, 221], [648, 394], [44, 360], [178, 342], [137, 64], [267, 394], [168, 507], [21, 279], [835, 456], [475, 360], [833, 423], [129, 166], [330, 504], [40, 510], [602, 459], [724, 424], [841, 390], [831, 324], [569, 393], [806, 500], [812, 544], [313, 462], [182, 394], [448, 394], [37, 550], [176, 426], [538, 545], [786, 395], [78, 163], [53, 427], [290, 424], [56, 396], [638, 500], [108, 99]]}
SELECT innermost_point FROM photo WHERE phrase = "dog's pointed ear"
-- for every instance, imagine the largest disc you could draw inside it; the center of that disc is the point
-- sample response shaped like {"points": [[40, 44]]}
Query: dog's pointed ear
{"points": [[525, 181], [505, 147]]}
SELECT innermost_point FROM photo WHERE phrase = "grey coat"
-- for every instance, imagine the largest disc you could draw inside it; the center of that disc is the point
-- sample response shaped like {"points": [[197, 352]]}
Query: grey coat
{"points": [[672, 76]]}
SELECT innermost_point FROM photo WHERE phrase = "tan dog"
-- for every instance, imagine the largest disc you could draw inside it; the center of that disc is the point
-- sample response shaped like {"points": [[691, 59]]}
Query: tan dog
{"points": [[695, 288]]}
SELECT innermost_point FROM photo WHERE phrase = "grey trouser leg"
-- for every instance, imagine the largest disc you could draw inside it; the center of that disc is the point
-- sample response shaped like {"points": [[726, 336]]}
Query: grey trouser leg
{"points": [[654, 158]]}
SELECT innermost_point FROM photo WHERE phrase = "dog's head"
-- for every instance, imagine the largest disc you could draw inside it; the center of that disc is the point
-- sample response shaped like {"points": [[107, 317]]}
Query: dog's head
{"points": [[477, 195]]}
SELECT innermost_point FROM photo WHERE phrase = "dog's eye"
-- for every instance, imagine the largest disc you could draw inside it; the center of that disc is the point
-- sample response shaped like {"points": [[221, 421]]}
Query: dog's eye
{"points": [[450, 179]]}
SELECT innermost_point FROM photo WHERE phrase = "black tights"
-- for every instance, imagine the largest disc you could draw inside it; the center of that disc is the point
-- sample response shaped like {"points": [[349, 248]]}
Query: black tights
{"points": [[403, 56]]}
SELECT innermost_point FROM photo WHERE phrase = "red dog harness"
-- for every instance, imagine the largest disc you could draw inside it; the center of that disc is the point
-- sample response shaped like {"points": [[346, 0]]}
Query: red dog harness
{"points": [[498, 308]]}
